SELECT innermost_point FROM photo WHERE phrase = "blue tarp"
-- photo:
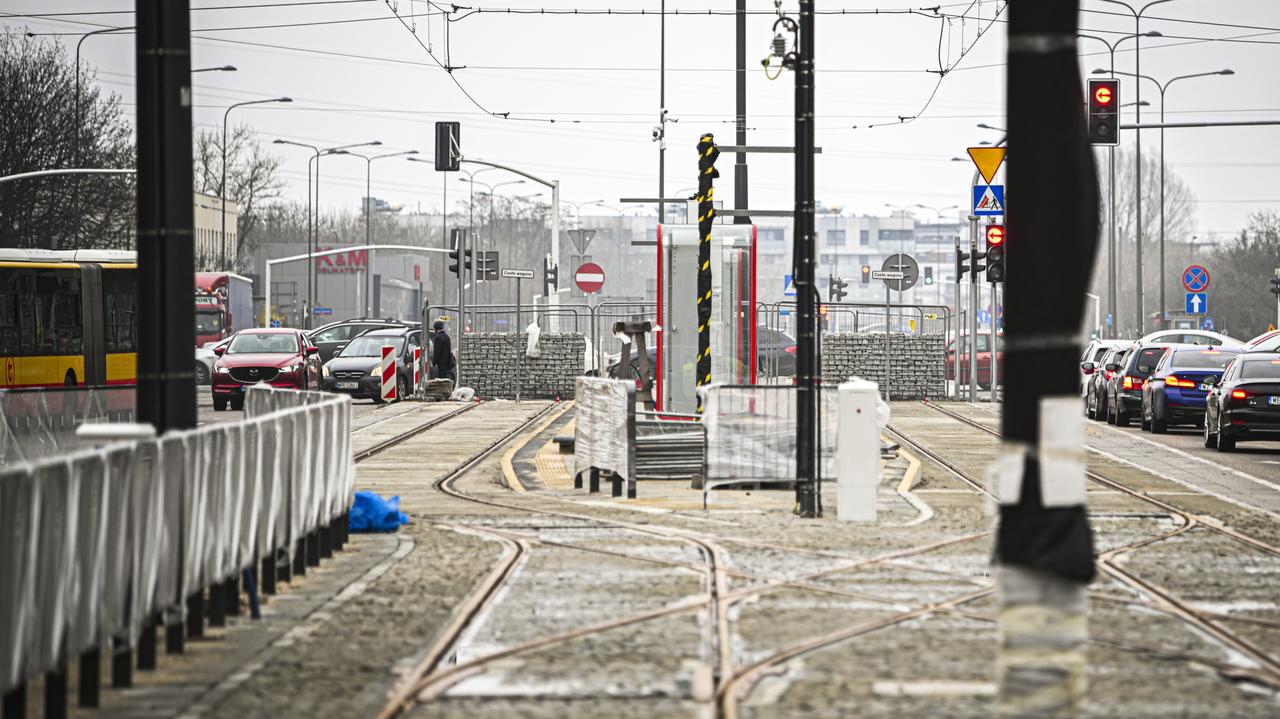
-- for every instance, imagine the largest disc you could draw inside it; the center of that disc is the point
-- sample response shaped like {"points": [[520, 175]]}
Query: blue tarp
{"points": [[372, 513]]}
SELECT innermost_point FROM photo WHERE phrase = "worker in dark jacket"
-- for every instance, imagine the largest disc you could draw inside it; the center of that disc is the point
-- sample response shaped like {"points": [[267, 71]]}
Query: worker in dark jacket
{"points": [[441, 354]]}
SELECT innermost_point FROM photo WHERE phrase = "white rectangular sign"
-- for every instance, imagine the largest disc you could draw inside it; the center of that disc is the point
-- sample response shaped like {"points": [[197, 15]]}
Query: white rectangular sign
{"points": [[887, 275], [518, 274]]}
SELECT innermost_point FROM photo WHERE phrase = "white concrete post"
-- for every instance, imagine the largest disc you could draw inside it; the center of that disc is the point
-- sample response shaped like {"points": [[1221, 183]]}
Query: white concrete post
{"points": [[857, 451]]}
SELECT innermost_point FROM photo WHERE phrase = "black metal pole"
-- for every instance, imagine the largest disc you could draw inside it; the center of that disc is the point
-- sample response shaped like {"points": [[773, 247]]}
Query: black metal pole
{"points": [[804, 261], [1044, 546], [740, 92]]}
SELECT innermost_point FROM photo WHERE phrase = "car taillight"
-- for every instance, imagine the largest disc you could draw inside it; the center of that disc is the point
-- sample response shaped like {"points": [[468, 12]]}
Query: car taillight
{"points": [[1110, 374], [1132, 382], [1239, 394], [790, 349], [1174, 381]]}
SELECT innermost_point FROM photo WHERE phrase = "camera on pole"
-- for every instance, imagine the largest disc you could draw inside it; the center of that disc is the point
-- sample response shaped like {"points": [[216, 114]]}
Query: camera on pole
{"points": [[995, 253], [1104, 112]]}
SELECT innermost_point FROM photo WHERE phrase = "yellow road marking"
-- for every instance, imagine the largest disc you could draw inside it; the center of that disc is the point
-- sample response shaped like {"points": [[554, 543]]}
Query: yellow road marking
{"points": [[508, 471]]}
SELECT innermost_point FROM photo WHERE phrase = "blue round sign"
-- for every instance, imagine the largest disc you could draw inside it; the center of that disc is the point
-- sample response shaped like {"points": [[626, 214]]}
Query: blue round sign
{"points": [[1195, 278]]}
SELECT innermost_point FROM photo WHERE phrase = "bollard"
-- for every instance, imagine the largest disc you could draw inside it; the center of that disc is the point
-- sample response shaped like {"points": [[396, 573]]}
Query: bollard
{"points": [[577, 480], [55, 693], [91, 678], [313, 549], [195, 615], [231, 591], [15, 702], [594, 484], [615, 484], [175, 638], [857, 451], [121, 663], [300, 557], [217, 605], [269, 574], [147, 645]]}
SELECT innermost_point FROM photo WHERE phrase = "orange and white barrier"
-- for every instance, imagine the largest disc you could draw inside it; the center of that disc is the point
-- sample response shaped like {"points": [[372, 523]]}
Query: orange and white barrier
{"points": [[388, 373]]}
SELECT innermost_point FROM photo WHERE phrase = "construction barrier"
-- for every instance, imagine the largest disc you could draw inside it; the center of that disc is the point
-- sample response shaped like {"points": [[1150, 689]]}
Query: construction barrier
{"points": [[604, 435]]}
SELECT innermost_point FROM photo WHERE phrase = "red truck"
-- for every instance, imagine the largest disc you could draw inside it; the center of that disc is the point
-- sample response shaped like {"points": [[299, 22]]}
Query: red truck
{"points": [[224, 305]]}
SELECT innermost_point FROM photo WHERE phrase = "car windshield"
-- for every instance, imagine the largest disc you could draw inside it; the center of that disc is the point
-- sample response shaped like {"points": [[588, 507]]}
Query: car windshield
{"points": [[1261, 369], [273, 343], [371, 346], [1201, 359], [208, 323]]}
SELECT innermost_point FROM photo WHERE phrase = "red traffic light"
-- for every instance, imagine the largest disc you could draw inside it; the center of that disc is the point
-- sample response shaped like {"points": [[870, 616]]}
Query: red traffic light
{"points": [[1103, 95], [995, 235]]}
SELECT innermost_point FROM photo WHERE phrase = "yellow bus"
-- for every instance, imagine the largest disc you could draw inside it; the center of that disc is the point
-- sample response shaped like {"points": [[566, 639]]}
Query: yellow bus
{"points": [[67, 318]]}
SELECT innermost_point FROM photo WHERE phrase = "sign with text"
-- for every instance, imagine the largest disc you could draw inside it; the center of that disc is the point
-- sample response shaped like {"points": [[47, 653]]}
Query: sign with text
{"points": [[517, 274]]}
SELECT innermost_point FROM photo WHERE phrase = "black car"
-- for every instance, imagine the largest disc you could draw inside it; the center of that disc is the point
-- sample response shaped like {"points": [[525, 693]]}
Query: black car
{"points": [[1124, 389], [776, 353], [330, 338], [1095, 397], [1175, 392], [1245, 403], [356, 369]]}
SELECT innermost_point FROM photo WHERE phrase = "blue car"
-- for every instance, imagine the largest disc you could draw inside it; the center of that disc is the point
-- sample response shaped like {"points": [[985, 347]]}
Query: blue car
{"points": [[1175, 393]]}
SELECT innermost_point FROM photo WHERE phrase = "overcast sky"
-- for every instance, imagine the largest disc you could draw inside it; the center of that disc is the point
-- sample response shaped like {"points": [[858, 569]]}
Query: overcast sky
{"points": [[597, 77]]}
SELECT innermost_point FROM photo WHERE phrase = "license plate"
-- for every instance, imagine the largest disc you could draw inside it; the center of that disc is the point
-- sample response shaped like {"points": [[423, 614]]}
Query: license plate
{"points": [[1204, 387], [347, 385], [1273, 400]]}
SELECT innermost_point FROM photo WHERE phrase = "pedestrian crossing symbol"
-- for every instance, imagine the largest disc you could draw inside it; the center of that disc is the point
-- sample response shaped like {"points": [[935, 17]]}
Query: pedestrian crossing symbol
{"points": [[988, 200]]}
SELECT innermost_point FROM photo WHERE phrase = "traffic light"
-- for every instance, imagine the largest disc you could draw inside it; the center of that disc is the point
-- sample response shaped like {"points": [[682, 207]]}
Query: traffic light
{"points": [[995, 253], [971, 265], [453, 262], [448, 146], [1104, 112], [928, 275], [866, 274], [1275, 284], [550, 276], [838, 291]]}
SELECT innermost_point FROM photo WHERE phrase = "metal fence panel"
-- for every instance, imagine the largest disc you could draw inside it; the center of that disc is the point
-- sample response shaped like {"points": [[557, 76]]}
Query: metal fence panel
{"points": [[604, 430], [751, 433]]}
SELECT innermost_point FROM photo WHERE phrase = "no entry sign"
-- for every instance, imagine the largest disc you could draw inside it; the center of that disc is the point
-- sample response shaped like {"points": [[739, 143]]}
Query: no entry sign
{"points": [[589, 277]]}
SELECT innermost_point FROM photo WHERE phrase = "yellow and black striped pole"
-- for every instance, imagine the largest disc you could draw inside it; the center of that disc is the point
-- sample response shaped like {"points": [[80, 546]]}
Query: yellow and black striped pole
{"points": [[707, 154]]}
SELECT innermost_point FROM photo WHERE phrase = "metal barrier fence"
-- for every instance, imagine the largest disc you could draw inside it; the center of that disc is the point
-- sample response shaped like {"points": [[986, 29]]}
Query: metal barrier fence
{"points": [[100, 545], [604, 434], [42, 423], [751, 434]]}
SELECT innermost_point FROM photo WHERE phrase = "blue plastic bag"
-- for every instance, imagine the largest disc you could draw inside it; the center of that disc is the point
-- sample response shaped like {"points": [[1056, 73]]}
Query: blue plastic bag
{"points": [[372, 513]]}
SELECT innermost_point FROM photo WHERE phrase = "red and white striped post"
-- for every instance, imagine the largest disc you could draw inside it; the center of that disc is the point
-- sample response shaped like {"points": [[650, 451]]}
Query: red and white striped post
{"points": [[388, 373], [417, 368]]}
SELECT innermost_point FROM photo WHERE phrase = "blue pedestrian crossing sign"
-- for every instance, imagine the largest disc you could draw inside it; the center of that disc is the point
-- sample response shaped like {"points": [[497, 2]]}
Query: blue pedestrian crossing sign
{"points": [[1207, 324], [788, 287], [1197, 303], [988, 200]]}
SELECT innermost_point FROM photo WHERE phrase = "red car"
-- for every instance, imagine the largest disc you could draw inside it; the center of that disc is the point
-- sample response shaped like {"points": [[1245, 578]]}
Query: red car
{"points": [[983, 359], [277, 356]]}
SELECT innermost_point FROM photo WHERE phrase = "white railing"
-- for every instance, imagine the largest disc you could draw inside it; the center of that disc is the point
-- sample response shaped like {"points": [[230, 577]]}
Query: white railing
{"points": [[97, 544]]}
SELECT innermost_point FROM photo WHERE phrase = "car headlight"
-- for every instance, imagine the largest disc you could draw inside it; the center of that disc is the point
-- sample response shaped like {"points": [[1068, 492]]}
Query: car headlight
{"points": [[325, 370], [219, 369], [292, 368], [375, 371]]}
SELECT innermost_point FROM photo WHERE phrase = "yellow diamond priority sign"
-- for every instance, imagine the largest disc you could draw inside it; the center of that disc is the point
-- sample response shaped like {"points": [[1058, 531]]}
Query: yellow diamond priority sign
{"points": [[988, 160]]}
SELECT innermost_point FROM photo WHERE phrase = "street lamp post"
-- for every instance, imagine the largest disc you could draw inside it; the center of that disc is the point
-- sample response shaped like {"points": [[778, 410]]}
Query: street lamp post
{"points": [[937, 221], [471, 233], [1140, 312], [222, 188], [368, 210], [1113, 250], [1162, 88], [493, 199]]}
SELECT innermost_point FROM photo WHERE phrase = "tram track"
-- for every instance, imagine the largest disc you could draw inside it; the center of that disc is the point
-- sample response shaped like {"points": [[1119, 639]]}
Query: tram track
{"points": [[1160, 598]]}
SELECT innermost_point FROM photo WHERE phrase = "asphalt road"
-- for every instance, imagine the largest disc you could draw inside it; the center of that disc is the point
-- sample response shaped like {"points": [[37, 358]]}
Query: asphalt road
{"points": [[1261, 459]]}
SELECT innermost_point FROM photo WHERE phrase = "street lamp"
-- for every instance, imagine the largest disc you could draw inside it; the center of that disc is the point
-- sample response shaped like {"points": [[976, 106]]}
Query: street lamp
{"points": [[1114, 250], [492, 202], [1163, 88], [985, 126], [222, 188], [368, 210]]}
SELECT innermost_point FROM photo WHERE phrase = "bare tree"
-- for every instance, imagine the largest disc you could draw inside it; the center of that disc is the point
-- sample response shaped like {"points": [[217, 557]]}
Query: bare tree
{"points": [[1240, 299], [253, 178], [40, 130], [1179, 223]]}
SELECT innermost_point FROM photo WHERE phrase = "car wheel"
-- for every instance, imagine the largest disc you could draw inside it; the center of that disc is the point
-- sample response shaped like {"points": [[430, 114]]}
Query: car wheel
{"points": [[237, 404], [402, 388], [1143, 423], [1088, 411], [219, 404], [1122, 417], [1158, 426], [1111, 417], [1225, 443], [1210, 439]]}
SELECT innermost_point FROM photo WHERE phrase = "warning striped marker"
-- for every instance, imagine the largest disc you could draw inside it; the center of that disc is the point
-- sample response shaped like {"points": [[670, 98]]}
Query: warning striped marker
{"points": [[388, 373], [417, 368]]}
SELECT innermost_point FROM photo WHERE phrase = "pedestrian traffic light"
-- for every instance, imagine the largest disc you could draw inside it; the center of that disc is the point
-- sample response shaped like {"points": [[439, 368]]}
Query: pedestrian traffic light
{"points": [[1104, 112], [995, 253], [866, 274], [928, 275], [838, 291], [453, 262], [1275, 285]]}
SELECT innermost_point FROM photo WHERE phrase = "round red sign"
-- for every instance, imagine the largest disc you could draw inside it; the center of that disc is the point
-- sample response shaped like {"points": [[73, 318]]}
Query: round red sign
{"points": [[589, 277]]}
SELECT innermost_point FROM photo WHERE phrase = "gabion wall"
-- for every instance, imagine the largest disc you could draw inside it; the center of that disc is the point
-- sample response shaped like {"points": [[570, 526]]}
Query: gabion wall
{"points": [[917, 366], [492, 363]]}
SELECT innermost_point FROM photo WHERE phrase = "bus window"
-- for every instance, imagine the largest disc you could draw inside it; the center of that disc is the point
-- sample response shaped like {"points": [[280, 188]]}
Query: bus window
{"points": [[65, 315], [9, 312], [119, 316]]}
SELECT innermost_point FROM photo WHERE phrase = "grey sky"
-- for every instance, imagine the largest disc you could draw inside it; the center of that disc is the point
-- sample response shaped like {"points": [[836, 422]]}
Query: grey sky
{"points": [[602, 71]]}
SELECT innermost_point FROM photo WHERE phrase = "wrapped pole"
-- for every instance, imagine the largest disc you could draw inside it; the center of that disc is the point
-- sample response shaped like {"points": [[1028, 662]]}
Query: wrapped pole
{"points": [[707, 155], [1044, 545]]}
